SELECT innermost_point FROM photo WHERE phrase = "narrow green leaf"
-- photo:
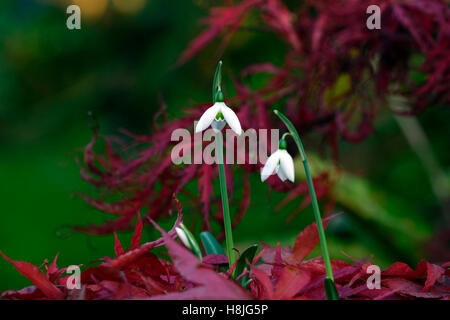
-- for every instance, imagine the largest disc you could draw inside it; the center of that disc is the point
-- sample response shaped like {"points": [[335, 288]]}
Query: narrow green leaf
{"points": [[330, 289], [210, 244]]}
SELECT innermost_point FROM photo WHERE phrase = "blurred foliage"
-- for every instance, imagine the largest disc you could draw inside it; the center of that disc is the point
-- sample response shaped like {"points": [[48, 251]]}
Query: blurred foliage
{"points": [[116, 66]]}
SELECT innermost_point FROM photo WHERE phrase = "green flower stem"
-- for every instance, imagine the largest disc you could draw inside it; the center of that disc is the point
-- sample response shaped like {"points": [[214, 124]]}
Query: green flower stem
{"points": [[315, 204], [224, 195], [216, 91]]}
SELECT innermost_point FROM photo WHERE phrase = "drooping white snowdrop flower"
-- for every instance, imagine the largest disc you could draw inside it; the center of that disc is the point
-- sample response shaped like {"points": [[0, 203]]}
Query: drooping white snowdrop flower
{"points": [[217, 116], [281, 163], [183, 237]]}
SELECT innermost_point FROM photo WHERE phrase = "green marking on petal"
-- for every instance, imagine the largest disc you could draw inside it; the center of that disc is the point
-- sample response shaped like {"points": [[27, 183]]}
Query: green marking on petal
{"points": [[220, 116]]}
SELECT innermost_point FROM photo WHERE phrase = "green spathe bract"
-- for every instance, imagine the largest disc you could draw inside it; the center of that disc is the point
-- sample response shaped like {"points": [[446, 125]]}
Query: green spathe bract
{"points": [[193, 243], [330, 288]]}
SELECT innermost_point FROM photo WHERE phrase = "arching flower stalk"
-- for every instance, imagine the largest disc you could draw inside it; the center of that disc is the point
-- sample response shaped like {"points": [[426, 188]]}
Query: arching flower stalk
{"points": [[280, 162], [218, 116]]}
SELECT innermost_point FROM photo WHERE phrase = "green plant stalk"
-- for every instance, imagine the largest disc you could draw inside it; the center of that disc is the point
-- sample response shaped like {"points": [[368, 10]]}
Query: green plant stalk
{"points": [[217, 82], [224, 196], [312, 192]]}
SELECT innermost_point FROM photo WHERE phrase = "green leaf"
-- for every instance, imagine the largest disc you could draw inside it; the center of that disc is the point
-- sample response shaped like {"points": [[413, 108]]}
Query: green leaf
{"points": [[330, 289], [248, 254], [210, 244]]}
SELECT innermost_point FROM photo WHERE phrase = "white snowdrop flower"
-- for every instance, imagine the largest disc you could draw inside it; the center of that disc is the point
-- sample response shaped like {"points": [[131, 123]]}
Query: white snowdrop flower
{"points": [[182, 235], [281, 163], [217, 116]]}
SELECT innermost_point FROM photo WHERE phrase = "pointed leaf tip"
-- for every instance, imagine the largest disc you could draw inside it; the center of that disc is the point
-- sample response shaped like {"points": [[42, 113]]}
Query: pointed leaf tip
{"points": [[136, 239], [118, 249]]}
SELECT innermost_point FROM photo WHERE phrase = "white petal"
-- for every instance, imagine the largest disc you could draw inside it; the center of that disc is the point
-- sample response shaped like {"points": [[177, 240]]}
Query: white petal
{"points": [[281, 174], [231, 118], [287, 164], [182, 235], [270, 165], [207, 118]]}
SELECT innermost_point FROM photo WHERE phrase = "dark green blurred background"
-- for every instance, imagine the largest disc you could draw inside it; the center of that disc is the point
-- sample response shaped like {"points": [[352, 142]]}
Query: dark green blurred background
{"points": [[116, 66]]}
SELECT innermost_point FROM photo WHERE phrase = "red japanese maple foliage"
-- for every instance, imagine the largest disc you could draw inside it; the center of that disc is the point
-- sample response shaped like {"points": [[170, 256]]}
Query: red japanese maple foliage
{"points": [[326, 41], [276, 273]]}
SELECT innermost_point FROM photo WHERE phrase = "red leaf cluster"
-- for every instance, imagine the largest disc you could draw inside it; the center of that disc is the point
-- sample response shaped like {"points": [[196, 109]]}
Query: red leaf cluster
{"points": [[326, 42], [286, 275], [276, 273]]}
